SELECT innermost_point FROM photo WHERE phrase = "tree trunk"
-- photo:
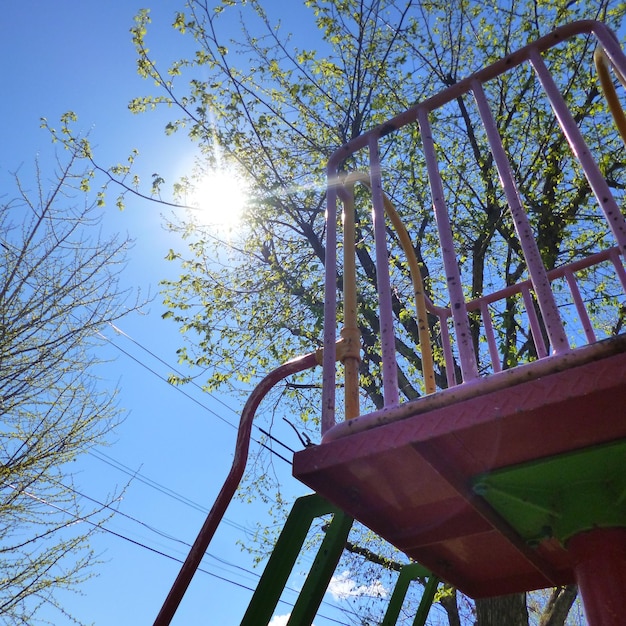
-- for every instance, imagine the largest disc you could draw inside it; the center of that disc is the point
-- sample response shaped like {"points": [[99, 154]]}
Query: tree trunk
{"points": [[502, 611], [559, 604], [449, 603]]}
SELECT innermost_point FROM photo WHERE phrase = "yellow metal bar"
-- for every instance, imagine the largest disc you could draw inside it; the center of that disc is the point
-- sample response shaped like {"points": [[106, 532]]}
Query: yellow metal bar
{"points": [[420, 300], [603, 67], [416, 276]]}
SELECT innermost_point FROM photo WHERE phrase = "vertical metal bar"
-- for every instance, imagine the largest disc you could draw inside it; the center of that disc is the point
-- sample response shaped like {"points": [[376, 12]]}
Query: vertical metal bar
{"points": [[408, 573], [283, 558], [467, 356], [387, 334], [491, 338], [350, 332], [536, 268], [597, 182], [447, 347], [397, 597], [535, 327], [426, 602], [321, 571], [330, 305], [580, 306], [447, 351]]}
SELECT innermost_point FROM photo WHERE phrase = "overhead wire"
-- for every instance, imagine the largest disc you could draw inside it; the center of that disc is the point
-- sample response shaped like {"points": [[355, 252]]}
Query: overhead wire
{"points": [[162, 378], [171, 493], [163, 534], [118, 330], [190, 397], [151, 528], [135, 474], [100, 526], [153, 484]]}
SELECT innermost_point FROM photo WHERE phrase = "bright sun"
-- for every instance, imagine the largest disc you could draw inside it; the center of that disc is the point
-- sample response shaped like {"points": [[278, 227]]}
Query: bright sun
{"points": [[220, 197]]}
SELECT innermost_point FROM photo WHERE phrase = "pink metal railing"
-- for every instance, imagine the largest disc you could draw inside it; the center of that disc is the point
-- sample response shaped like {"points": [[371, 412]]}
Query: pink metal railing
{"points": [[525, 289], [548, 325]]}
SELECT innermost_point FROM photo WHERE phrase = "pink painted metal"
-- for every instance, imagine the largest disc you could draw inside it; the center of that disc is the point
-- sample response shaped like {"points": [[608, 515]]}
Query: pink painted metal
{"points": [[387, 335], [330, 308], [405, 470], [491, 338], [463, 333], [409, 478], [537, 292], [581, 310], [200, 545], [600, 187], [535, 327], [502, 380], [525, 233]]}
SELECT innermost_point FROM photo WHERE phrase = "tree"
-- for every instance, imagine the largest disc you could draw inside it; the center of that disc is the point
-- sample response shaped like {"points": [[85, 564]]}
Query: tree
{"points": [[276, 110], [59, 287]]}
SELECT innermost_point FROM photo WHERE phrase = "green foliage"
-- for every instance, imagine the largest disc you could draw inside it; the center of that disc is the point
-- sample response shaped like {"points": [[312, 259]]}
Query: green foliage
{"points": [[57, 290], [279, 111]]}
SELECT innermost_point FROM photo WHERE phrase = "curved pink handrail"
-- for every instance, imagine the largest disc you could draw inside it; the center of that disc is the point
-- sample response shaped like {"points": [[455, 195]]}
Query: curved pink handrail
{"points": [[231, 483]]}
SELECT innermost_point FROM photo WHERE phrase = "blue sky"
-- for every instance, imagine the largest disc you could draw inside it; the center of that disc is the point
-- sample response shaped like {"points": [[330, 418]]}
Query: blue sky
{"points": [[77, 55]]}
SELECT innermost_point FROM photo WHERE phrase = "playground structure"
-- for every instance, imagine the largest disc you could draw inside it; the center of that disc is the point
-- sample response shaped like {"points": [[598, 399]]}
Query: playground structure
{"points": [[508, 479]]}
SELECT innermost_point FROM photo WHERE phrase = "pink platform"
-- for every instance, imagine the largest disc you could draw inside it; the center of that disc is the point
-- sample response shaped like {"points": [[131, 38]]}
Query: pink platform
{"points": [[409, 480]]}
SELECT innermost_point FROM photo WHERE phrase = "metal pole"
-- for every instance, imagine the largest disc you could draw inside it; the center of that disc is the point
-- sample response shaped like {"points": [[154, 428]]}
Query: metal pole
{"points": [[600, 569]]}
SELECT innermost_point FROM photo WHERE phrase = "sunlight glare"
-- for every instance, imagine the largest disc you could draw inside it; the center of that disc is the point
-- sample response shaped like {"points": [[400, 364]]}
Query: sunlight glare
{"points": [[220, 196]]}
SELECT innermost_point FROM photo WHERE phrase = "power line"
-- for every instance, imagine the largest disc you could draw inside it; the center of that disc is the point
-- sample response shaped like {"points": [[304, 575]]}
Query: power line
{"points": [[153, 484], [101, 526], [152, 528], [201, 404], [140, 544], [118, 330], [162, 533], [162, 378], [157, 486], [201, 569]]}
